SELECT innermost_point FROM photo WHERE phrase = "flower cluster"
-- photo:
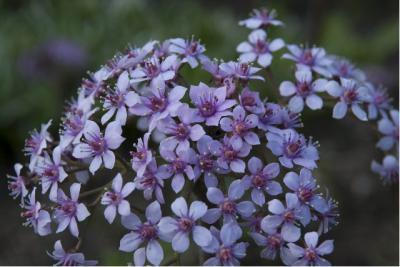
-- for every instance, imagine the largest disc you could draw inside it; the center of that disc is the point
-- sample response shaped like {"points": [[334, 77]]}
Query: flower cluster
{"points": [[220, 163]]}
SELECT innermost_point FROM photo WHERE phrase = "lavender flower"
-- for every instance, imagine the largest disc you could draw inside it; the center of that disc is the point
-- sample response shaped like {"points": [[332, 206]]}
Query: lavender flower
{"points": [[206, 162], [311, 254], [227, 205], [328, 215], [115, 199], [286, 218], [241, 71], [224, 246], [143, 156], [158, 104], [155, 71], [261, 18], [350, 95], [98, 147], [179, 163], [291, 147], [388, 170], [35, 216], [304, 91], [51, 173], [146, 233], [313, 58], [65, 258], [272, 243], [342, 68], [260, 180], [389, 127], [271, 116], [150, 182], [69, 210], [305, 186], [211, 103], [229, 154], [180, 133], [118, 100], [241, 127], [378, 101], [191, 50], [258, 48], [180, 228], [36, 143], [251, 102], [17, 183]]}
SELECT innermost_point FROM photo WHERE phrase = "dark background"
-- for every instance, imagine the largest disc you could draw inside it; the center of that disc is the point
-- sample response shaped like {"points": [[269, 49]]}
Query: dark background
{"points": [[46, 47]]}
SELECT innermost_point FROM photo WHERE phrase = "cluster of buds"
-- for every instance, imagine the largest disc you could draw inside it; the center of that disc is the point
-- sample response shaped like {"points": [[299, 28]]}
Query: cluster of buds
{"points": [[216, 164]]}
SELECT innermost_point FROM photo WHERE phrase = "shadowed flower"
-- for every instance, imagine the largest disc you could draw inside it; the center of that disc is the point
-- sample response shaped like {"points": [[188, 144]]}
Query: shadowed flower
{"points": [[389, 127], [388, 170], [36, 143], [65, 258], [35, 216], [16, 184], [151, 182], [271, 242], [143, 156]]}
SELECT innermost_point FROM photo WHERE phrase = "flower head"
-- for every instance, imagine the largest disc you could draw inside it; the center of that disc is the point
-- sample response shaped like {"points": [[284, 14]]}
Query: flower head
{"points": [[142, 156], [150, 182], [389, 127], [35, 216], [65, 258], [191, 50], [16, 184], [261, 18], [388, 170], [115, 199], [36, 143]]}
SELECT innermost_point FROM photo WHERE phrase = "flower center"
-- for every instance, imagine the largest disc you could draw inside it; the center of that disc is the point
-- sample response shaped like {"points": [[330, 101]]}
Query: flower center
{"points": [[240, 128], [288, 216], [98, 145], [185, 224], [304, 194], [225, 254], [228, 207], [178, 165], [293, 148], [259, 181], [51, 172], [158, 104], [307, 57], [230, 154], [274, 241], [303, 89], [206, 162], [151, 69], [248, 101], [28, 214], [261, 47], [181, 131], [115, 197], [310, 255], [140, 155], [207, 107], [74, 125], [69, 208], [350, 95], [148, 231], [117, 100]]}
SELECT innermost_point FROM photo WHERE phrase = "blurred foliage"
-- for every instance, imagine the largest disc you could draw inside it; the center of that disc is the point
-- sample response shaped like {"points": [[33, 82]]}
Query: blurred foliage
{"points": [[35, 82]]}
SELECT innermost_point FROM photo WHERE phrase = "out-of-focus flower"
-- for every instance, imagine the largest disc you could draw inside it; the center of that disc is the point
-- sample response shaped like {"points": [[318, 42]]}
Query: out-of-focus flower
{"points": [[261, 18], [389, 127], [388, 170]]}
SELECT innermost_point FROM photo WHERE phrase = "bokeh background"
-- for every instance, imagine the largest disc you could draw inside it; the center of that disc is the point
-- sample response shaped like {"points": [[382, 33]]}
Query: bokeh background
{"points": [[46, 47]]}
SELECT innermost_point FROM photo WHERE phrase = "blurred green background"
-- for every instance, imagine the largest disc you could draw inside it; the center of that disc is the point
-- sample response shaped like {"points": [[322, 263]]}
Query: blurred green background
{"points": [[46, 47]]}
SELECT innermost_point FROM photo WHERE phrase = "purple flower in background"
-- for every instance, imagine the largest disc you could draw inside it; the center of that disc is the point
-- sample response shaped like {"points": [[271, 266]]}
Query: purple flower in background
{"points": [[342, 68], [292, 147], [155, 71], [185, 225], [35, 216], [241, 127], [118, 99], [311, 254], [258, 48], [241, 71], [378, 101], [178, 165], [286, 218], [225, 247], [261, 18], [69, 210], [251, 102], [143, 156], [51, 173], [211, 103], [115, 199], [206, 162], [305, 186], [304, 91], [272, 243], [99, 147], [158, 104], [229, 154], [36, 143], [388, 170], [191, 50], [351, 95], [65, 258], [17, 183], [389, 127], [180, 133], [227, 205], [313, 58], [146, 233], [260, 180], [151, 182]]}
